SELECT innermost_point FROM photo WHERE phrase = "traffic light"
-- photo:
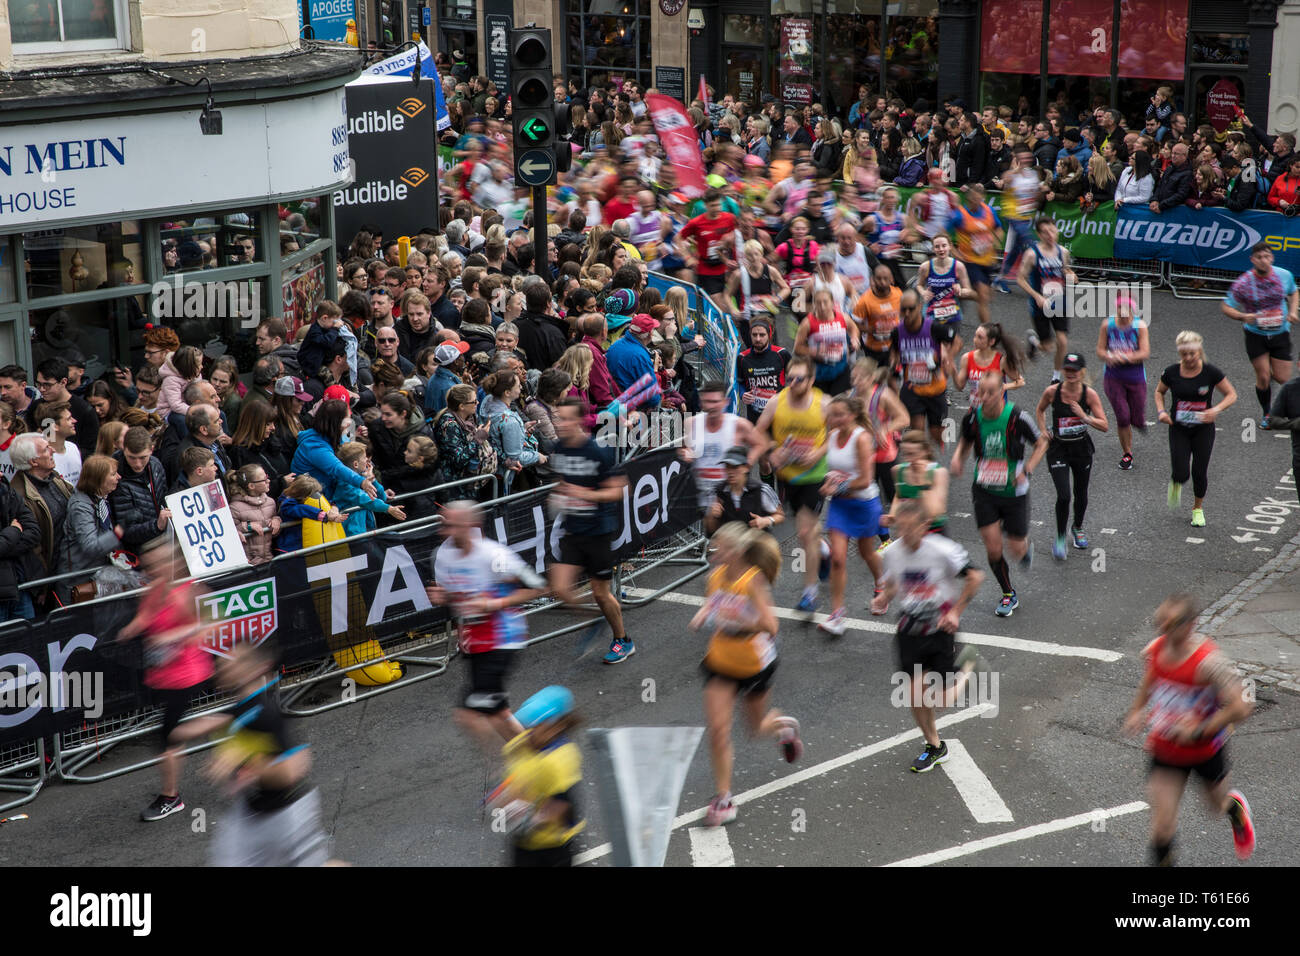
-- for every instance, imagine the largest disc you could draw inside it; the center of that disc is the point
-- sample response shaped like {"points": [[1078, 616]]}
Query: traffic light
{"points": [[563, 143], [532, 96]]}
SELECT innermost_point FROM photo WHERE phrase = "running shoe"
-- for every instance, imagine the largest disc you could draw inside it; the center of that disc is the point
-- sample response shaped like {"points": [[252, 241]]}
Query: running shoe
{"points": [[884, 543], [1243, 830], [1174, 497], [788, 739], [1007, 606], [1056, 376], [1001, 285], [1080, 539], [1266, 422], [620, 651], [1058, 548], [1126, 463], [871, 604], [968, 658], [587, 637], [721, 811], [824, 563], [808, 603], [1032, 345], [1027, 561], [835, 623], [162, 807], [1198, 518], [930, 758]]}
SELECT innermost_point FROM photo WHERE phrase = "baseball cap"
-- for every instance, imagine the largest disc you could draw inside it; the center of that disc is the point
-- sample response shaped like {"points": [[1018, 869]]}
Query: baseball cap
{"points": [[1073, 361], [826, 255], [292, 387], [644, 323], [716, 181], [339, 392], [1071, 135], [448, 352], [547, 704], [736, 455]]}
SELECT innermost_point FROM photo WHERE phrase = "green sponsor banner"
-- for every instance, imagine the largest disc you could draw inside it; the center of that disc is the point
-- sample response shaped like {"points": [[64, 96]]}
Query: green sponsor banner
{"points": [[1086, 235]]}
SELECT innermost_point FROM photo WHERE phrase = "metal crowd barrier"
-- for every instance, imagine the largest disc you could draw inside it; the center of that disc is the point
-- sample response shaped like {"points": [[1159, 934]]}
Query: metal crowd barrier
{"points": [[1198, 282], [22, 765]]}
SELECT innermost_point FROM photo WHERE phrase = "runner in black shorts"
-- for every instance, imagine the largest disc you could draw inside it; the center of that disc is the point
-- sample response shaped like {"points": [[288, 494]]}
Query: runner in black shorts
{"points": [[923, 348], [1044, 272], [586, 495], [933, 577], [1264, 299], [1000, 435]]}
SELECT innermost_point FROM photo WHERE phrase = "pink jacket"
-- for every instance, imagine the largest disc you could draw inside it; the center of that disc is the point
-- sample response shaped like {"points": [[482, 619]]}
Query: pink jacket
{"points": [[600, 386], [257, 512], [169, 394]]}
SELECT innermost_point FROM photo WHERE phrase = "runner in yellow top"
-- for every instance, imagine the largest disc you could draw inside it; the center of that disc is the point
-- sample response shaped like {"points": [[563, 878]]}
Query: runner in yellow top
{"points": [[742, 653], [793, 429]]}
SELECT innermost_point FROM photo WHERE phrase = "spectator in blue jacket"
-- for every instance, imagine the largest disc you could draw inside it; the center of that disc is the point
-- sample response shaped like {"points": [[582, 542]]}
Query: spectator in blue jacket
{"points": [[359, 521], [629, 358], [511, 439], [450, 357], [1073, 145], [317, 453]]}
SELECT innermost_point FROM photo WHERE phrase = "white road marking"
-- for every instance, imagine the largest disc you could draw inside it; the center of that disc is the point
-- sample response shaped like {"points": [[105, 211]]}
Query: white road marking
{"points": [[710, 847], [960, 514], [808, 773], [1263, 549], [1196, 541], [1025, 833], [975, 788], [882, 627], [1109, 530]]}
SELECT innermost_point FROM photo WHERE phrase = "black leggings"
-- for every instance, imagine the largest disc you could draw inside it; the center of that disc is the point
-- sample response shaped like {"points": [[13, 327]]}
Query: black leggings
{"points": [[1062, 466], [1189, 454]]}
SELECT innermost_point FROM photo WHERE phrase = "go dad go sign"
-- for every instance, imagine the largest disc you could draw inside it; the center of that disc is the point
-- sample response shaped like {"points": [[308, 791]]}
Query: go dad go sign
{"points": [[206, 529]]}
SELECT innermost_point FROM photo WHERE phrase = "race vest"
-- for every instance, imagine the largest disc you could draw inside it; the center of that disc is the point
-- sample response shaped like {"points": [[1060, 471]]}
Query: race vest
{"points": [[798, 431]]}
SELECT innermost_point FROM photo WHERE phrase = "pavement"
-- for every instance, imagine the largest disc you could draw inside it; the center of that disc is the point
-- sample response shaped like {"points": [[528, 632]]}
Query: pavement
{"points": [[1042, 777]]}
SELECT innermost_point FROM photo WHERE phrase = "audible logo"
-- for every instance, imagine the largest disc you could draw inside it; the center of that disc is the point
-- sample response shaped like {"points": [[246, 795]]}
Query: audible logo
{"points": [[414, 176], [411, 106]]}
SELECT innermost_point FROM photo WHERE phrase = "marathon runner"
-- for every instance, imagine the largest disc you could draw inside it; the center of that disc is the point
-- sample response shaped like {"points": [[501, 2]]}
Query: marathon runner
{"points": [[587, 494], [1191, 383], [793, 428], [943, 283], [708, 437], [1264, 299], [1022, 197], [920, 477], [1000, 434], [1286, 415], [743, 497], [713, 235], [877, 314], [923, 571], [1074, 408], [871, 384], [979, 230], [1196, 701], [760, 369], [828, 278], [767, 290], [481, 580], [884, 232], [923, 348], [1124, 343], [742, 654], [929, 211], [830, 339], [852, 261], [853, 511], [993, 351], [1044, 270], [797, 261]]}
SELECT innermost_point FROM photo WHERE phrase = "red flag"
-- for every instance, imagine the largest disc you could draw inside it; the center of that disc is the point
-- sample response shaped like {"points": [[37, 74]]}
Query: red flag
{"points": [[681, 145], [704, 94]]}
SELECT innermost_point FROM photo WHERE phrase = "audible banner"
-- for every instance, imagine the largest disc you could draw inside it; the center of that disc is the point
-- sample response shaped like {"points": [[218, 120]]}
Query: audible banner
{"points": [[391, 140], [69, 671]]}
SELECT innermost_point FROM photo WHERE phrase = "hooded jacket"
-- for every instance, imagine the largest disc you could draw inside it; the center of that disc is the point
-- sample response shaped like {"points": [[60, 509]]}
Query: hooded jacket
{"points": [[171, 390], [257, 512], [136, 501], [542, 337], [316, 457], [18, 546]]}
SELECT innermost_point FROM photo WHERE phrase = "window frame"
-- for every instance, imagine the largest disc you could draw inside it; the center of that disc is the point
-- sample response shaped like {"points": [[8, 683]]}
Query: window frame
{"points": [[120, 41]]}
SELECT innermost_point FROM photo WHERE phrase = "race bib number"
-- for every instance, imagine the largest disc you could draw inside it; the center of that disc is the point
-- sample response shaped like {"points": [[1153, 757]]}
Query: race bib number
{"points": [[1053, 290], [715, 250], [918, 373], [981, 245], [1271, 320], [1190, 413], [992, 473], [946, 311], [1068, 426], [761, 397], [832, 352]]}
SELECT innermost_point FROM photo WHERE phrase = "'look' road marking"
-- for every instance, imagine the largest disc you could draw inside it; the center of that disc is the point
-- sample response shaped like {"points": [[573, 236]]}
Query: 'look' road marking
{"points": [[710, 847], [881, 627], [808, 773], [975, 788], [1026, 833]]}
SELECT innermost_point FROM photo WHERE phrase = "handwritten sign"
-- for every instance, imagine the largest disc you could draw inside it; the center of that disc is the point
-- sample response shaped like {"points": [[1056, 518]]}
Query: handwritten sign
{"points": [[206, 529]]}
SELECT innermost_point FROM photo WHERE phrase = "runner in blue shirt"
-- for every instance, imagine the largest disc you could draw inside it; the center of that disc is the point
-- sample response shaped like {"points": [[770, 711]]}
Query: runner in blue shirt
{"points": [[1264, 300]]}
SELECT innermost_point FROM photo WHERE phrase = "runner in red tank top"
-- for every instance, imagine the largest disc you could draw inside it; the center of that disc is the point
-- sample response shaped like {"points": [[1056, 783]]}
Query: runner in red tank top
{"points": [[1195, 700]]}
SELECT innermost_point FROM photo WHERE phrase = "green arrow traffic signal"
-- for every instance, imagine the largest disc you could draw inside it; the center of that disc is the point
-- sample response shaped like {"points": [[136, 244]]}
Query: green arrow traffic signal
{"points": [[535, 129]]}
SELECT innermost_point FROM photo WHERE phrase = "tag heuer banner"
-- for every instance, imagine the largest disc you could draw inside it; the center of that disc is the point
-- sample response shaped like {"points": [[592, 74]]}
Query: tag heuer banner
{"points": [[315, 606]]}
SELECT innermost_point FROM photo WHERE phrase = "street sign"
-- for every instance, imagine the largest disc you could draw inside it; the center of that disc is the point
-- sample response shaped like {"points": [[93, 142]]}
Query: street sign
{"points": [[428, 16], [536, 167], [498, 49]]}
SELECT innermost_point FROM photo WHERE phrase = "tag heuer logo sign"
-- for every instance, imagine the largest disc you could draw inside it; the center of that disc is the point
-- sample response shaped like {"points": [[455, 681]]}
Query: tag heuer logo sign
{"points": [[244, 613]]}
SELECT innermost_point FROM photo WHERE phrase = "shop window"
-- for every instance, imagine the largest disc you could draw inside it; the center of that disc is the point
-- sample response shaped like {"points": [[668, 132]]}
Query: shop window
{"points": [[66, 26], [744, 29], [609, 42], [1221, 49], [302, 288], [211, 241], [104, 333], [300, 219], [8, 288], [82, 258], [1011, 44], [912, 50]]}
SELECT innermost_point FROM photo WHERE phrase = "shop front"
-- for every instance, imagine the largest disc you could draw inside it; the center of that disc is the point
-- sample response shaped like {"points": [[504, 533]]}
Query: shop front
{"points": [[110, 220]]}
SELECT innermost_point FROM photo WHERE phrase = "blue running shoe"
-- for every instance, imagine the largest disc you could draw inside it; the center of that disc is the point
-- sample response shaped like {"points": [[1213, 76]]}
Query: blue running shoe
{"points": [[1058, 548], [1007, 606], [620, 651], [808, 602], [1080, 539]]}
